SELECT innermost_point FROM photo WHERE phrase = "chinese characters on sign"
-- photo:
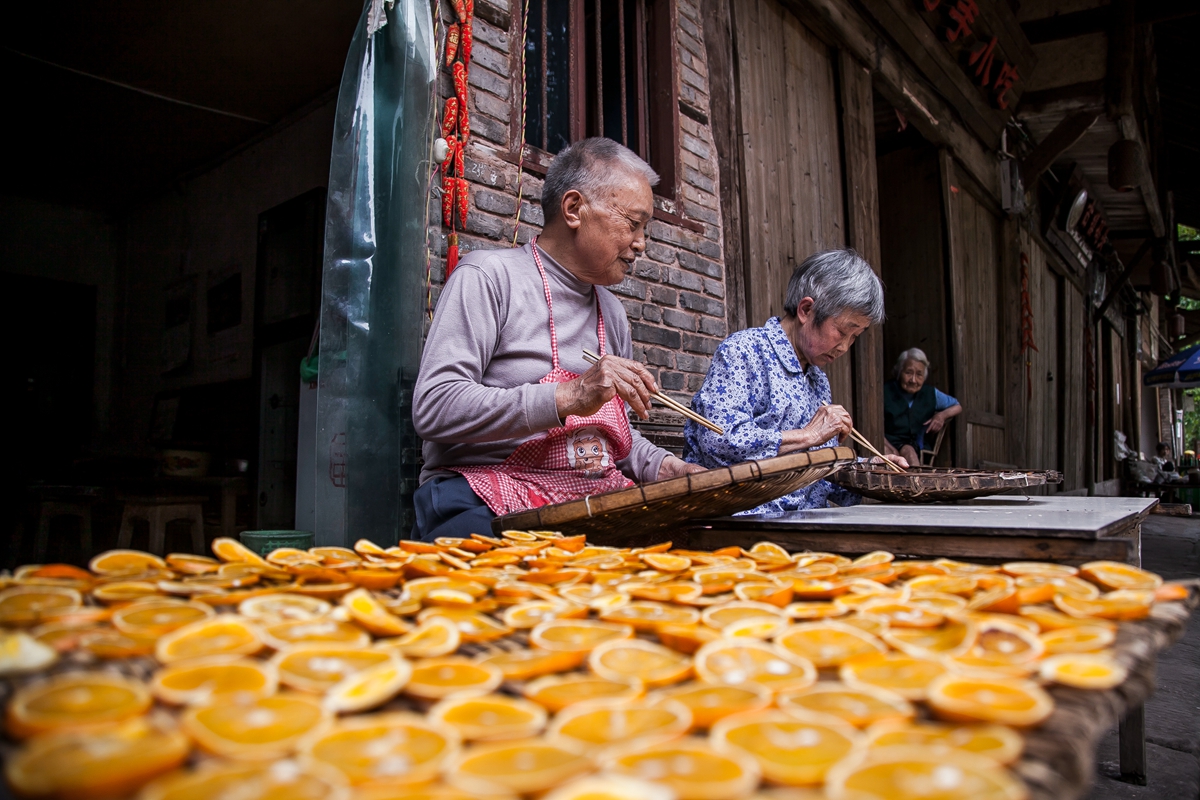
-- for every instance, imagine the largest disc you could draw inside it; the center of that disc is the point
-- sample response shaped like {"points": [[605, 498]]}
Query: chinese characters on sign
{"points": [[993, 73]]}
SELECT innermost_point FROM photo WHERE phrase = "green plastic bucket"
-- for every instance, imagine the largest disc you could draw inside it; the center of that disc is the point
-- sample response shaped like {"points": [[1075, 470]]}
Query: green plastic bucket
{"points": [[263, 542]]}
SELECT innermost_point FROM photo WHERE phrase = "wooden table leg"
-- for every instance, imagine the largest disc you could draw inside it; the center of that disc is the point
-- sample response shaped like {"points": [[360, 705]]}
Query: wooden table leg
{"points": [[1131, 736]]}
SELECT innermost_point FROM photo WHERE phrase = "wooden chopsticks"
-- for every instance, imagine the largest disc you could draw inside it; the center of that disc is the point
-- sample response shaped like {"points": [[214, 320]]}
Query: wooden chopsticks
{"points": [[862, 440], [592, 358]]}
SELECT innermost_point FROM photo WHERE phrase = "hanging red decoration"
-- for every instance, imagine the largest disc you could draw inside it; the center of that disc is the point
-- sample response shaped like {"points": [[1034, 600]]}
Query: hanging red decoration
{"points": [[456, 129], [450, 118], [453, 37], [465, 9], [448, 188], [465, 39]]}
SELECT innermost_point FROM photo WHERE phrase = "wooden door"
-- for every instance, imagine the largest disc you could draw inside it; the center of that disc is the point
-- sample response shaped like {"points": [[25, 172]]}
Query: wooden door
{"points": [[976, 292], [1043, 387], [792, 181]]}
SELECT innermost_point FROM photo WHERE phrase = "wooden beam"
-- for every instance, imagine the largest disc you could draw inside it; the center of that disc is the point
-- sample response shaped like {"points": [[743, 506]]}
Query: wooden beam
{"points": [[1133, 264], [862, 231], [900, 84], [1065, 134], [721, 47], [1095, 20]]}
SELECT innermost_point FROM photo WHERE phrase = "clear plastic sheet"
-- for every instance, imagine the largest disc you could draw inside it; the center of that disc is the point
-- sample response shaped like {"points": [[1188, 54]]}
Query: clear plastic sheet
{"points": [[367, 453]]}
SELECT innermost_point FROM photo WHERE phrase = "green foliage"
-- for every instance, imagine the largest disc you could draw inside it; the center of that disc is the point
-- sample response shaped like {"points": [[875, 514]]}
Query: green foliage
{"points": [[1191, 420]]}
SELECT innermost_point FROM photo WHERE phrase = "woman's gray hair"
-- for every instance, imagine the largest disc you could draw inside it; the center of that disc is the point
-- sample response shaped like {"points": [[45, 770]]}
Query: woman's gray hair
{"points": [[588, 166], [837, 281], [911, 354]]}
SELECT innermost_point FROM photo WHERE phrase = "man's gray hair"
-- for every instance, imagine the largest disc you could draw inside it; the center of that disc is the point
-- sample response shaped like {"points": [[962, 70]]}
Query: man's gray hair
{"points": [[911, 354], [589, 166], [837, 281]]}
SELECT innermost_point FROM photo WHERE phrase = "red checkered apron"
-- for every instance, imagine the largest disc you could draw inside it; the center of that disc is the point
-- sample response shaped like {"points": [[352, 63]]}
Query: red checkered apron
{"points": [[577, 460]]}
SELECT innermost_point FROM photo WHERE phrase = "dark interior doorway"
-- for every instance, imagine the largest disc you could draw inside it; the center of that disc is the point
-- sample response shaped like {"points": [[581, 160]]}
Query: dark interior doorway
{"points": [[913, 253], [290, 245], [50, 342]]}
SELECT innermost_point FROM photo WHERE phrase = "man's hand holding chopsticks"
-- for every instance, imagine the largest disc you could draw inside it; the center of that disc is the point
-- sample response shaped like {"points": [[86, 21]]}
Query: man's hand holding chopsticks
{"points": [[610, 376]]}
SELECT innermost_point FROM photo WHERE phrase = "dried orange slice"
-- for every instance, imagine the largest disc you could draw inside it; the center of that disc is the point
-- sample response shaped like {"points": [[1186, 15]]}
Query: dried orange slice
{"points": [[395, 750], [755, 627], [872, 625], [908, 773], [1001, 600], [231, 550], [774, 593], [686, 638], [154, 618], [814, 609], [269, 727], [224, 634], [317, 668], [902, 615], [436, 678], [673, 592], [524, 767], [577, 636], [1042, 568], [21, 653], [263, 781], [283, 606], [903, 674], [828, 644], [369, 613], [205, 680], [1084, 670], [1041, 589], [125, 591], [534, 612], [490, 717], [1081, 639], [955, 637], [323, 631], [31, 605], [610, 787], [75, 700], [664, 562], [942, 603], [690, 767], [191, 564], [790, 750], [860, 707], [111, 643], [994, 741], [473, 626], [652, 664], [1006, 642], [125, 562], [556, 692], [718, 616], [1172, 590], [596, 727], [1048, 618], [522, 665], [646, 615], [709, 702], [436, 636], [109, 763], [1113, 575], [322, 591], [749, 661], [1123, 604], [369, 687], [943, 584], [1013, 701]]}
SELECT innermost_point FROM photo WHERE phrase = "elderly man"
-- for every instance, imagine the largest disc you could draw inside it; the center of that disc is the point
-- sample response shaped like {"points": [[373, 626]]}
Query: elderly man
{"points": [[511, 415]]}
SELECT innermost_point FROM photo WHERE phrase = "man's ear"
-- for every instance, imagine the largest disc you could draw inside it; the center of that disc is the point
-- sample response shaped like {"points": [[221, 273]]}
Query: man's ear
{"points": [[572, 209]]}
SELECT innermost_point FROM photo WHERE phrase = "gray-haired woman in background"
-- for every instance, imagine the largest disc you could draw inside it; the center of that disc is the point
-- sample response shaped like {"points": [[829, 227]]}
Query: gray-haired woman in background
{"points": [[766, 388], [912, 409]]}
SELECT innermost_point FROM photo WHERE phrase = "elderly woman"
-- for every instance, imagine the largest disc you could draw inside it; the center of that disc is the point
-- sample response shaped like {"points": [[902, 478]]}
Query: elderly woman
{"points": [[913, 409], [766, 388]]}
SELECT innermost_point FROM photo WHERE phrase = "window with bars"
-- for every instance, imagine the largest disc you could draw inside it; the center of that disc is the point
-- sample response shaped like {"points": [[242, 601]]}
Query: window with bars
{"points": [[603, 68]]}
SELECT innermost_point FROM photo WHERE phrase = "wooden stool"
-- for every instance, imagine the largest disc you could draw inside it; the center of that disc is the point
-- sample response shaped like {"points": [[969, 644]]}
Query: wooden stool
{"points": [[158, 511]]}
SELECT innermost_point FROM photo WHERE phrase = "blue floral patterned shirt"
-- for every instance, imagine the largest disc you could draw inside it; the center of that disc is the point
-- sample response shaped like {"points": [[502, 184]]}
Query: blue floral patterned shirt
{"points": [[755, 390]]}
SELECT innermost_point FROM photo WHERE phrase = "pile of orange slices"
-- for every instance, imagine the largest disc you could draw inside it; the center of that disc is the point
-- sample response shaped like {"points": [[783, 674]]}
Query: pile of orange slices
{"points": [[535, 664]]}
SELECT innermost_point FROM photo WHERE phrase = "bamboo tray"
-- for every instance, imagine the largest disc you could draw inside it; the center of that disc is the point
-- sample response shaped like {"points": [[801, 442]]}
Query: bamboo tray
{"points": [[933, 484], [655, 508]]}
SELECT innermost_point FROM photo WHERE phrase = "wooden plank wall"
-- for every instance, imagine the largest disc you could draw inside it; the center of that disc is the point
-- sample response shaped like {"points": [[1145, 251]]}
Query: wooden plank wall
{"points": [[1075, 432], [791, 160], [978, 329], [1042, 419]]}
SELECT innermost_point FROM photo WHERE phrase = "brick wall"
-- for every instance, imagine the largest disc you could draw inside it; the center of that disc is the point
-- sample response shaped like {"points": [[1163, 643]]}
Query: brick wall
{"points": [[675, 296]]}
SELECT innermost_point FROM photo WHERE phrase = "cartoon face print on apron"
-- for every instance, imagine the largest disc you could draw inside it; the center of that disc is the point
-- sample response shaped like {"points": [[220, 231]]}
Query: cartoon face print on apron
{"points": [[566, 463]]}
